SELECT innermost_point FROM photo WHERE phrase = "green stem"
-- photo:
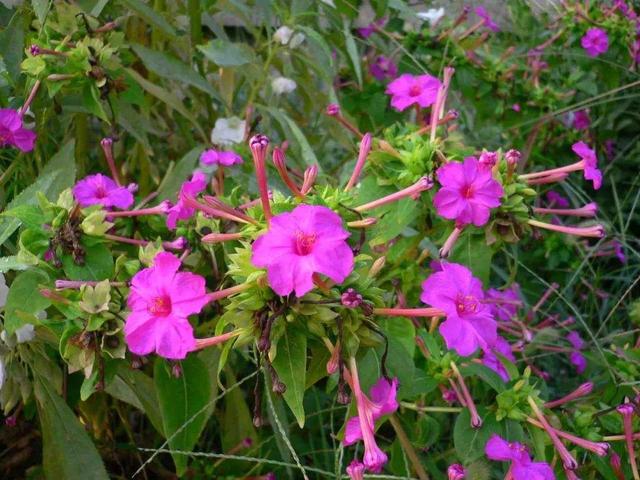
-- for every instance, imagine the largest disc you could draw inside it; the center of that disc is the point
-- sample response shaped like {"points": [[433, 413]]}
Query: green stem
{"points": [[408, 448], [82, 142], [195, 22]]}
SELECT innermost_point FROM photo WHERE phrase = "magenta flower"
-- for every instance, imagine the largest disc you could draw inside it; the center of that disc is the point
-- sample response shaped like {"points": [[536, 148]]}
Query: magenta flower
{"points": [[468, 192], [491, 360], [556, 200], [522, 468], [181, 210], [13, 133], [407, 90], [161, 300], [299, 243], [487, 160], [383, 68], [99, 189], [488, 21], [469, 324], [505, 304], [581, 120], [382, 402], [355, 470], [366, 32], [576, 357], [590, 161], [456, 472], [595, 42], [220, 157]]}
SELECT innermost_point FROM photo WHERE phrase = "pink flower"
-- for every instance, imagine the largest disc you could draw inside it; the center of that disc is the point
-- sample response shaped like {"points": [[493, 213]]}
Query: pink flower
{"points": [[588, 156], [299, 243], [581, 120], [516, 107], [355, 470], [161, 300], [366, 32], [491, 360], [407, 90], [575, 357], [556, 200], [383, 68], [487, 160], [456, 472], [382, 402], [13, 133], [190, 188], [468, 192], [488, 21], [469, 324], [220, 157], [595, 42], [504, 304], [522, 468], [99, 189]]}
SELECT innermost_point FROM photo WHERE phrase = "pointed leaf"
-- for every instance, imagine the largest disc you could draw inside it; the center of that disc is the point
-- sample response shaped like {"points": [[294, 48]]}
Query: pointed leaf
{"points": [[291, 365]]}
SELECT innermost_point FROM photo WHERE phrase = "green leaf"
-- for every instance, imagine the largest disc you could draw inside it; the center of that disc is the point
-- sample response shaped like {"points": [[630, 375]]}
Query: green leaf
{"points": [[473, 251], [98, 264], [68, 452], [12, 263], [490, 377], [227, 54], [179, 173], [24, 297], [352, 51], [12, 45], [91, 101], [291, 365], [288, 124], [41, 9], [169, 67], [57, 175], [29, 215], [182, 402], [469, 442], [149, 15]]}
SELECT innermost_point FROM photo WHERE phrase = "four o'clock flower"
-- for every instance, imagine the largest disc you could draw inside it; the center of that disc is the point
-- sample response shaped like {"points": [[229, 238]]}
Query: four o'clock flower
{"points": [[310, 239], [456, 472], [482, 12], [468, 192], [225, 158], [355, 470], [505, 303], [383, 68], [522, 467], [161, 300], [575, 357], [469, 324], [12, 132], [99, 189], [181, 210], [407, 90], [595, 41], [627, 412], [581, 120], [382, 401]]}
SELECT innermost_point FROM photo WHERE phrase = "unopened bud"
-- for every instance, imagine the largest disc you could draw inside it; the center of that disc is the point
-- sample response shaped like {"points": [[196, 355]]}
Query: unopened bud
{"points": [[333, 109], [376, 267]]}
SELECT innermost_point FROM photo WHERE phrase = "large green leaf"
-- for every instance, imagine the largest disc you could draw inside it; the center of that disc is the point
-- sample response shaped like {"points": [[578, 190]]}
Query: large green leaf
{"points": [[57, 175], [12, 45], [182, 403], [468, 441], [68, 452], [24, 298], [227, 54], [473, 251], [291, 365], [149, 15], [169, 67], [178, 174], [98, 264]]}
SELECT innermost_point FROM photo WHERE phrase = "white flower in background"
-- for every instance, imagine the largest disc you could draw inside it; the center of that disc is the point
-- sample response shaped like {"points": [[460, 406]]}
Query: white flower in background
{"points": [[4, 291], [282, 85], [25, 333], [283, 35], [11, 3], [329, 2], [228, 131], [296, 40], [432, 15]]}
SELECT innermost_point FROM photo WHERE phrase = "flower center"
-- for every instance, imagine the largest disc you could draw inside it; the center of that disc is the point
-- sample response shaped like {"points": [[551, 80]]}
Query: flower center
{"points": [[304, 243], [466, 304], [467, 191], [160, 306], [415, 90], [101, 192]]}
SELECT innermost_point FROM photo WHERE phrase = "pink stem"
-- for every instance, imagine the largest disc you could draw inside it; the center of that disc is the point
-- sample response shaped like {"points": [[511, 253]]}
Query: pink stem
{"points": [[365, 148], [409, 312], [596, 231], [420, 186]]}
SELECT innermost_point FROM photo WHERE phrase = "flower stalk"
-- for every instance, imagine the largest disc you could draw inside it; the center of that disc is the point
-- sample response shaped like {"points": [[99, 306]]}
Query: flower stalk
{"points": [[425, 183]]}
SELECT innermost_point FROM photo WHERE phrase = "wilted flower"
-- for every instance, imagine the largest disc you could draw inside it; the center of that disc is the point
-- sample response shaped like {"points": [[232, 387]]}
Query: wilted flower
{"points": [[469, 324], [282, 85], [468, 192], [228, 131], [220, 157], [522, 467], [190, 188], [595, 41], [505, 303], [161, 300], [588, 156], [491, 360], [432, 15], [298, 244], [407, 90], [488, 21], [575, 357], [13, 133], [581, 120], [99, 189], [383, 68]]}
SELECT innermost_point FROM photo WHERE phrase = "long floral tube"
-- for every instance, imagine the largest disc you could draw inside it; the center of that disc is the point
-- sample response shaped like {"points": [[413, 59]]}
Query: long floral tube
{"points": [[599, 448], [409, 312], [425, 183]]}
